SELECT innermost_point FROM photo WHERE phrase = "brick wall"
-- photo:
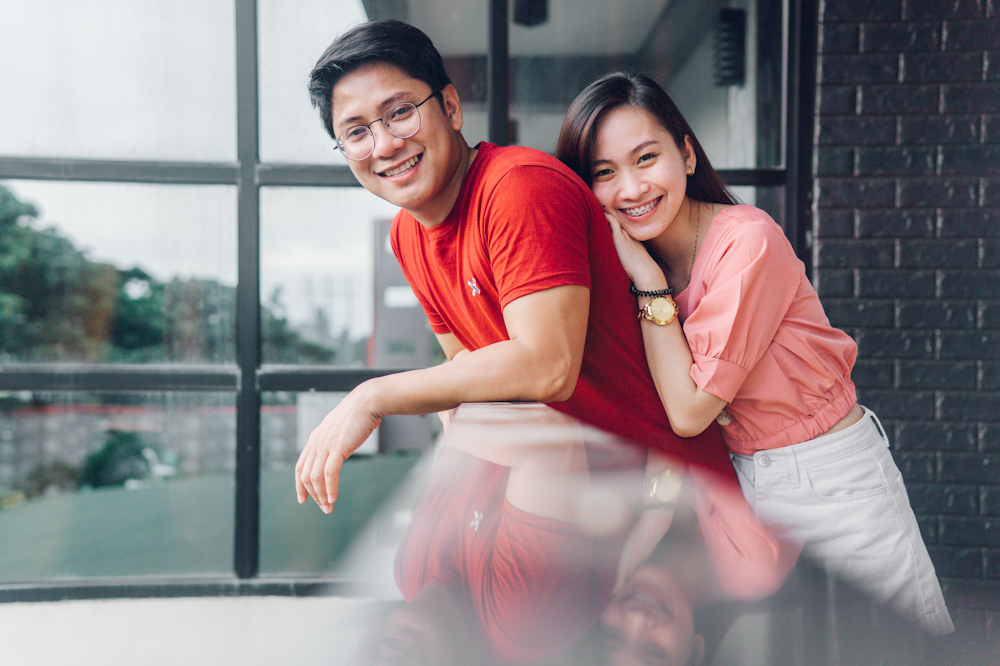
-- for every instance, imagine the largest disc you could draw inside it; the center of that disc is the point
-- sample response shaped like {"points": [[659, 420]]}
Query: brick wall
{"points": [[907, 251]]}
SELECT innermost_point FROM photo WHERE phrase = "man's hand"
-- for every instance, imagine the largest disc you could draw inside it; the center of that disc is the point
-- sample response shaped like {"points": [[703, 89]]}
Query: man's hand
{"points": [[317, 473]]}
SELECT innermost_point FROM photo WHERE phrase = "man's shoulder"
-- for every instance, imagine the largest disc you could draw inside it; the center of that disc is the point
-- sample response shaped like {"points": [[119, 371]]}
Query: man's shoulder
{"points": [[524, 165]]}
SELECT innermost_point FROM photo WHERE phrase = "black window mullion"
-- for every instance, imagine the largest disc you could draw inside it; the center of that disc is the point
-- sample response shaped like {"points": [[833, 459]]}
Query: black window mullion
{"points": [[802, 26], [498, 73], [172, 173], [246, 543]]}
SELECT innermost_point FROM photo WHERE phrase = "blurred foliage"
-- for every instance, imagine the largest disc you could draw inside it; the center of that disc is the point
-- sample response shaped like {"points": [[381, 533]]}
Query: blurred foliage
{"points": [[119, 460], [51, 476], [57, 305]]}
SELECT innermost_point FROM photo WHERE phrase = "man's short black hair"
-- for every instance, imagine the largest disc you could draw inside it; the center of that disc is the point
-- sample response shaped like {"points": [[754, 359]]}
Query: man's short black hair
{"points": [[381, 41]]}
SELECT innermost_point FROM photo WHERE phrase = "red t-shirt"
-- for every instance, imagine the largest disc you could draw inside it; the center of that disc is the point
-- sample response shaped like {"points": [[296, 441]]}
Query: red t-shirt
{"points": [[533, 585], [523, 222]]}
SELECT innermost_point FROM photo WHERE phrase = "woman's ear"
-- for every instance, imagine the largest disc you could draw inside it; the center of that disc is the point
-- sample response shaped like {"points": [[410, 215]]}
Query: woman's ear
{"points": [[690, 159]]}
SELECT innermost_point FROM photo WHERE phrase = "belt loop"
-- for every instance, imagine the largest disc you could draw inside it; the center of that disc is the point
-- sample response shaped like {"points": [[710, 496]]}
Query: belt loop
{"points": [[793, 467], [878, 426]]}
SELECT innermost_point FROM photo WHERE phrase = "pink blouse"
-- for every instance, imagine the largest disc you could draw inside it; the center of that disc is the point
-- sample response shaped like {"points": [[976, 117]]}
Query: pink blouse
{"points": [[760, 338]]}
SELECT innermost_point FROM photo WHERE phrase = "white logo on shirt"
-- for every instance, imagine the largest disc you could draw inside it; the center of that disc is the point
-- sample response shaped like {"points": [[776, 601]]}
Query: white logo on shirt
{"points": [[475, 287], [475, 520]]}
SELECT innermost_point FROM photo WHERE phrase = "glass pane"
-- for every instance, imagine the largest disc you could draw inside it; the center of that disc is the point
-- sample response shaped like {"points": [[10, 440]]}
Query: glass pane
{"points": [[324, 257], [322, 544], [459, 31], [117, 273], [291, 37], [119, 79], [116, 484], [678, 44]]}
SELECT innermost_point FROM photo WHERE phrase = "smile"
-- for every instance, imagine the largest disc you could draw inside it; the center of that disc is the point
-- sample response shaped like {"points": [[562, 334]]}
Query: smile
{"points": [[641, 210], [405, 166], [643, 601]]}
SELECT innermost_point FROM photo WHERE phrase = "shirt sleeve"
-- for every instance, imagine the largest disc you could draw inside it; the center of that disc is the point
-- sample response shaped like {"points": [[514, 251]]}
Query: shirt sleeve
{"points": [[752, 278], [538, 232]]}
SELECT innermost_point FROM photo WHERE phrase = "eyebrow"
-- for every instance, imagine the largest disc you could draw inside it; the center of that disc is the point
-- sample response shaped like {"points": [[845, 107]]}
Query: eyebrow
{"points": [[357, 120], [638, 149]]}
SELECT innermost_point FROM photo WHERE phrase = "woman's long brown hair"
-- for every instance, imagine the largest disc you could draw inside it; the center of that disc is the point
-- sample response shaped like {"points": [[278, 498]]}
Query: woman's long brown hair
{"points": [[578, 135]]}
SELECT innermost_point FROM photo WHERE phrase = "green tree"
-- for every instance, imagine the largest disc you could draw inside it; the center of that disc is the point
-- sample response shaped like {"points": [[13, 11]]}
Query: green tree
{"points": [[56, 305]]}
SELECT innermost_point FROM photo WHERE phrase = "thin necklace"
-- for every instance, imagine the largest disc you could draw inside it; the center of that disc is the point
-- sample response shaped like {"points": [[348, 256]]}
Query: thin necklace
{"points": [[694, 252]]}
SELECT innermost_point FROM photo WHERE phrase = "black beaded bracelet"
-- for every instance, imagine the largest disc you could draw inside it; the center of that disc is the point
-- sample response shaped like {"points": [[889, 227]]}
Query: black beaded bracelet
{"points": [[653, 294]]}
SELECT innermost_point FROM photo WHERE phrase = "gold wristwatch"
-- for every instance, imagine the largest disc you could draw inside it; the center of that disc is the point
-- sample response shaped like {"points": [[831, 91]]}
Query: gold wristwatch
{"points": [[662, 490], [660, 310]]}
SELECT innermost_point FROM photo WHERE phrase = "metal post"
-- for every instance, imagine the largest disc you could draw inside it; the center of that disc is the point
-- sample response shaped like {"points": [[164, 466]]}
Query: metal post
{"points": [[246, 543], [498, 74], [802, 43]]}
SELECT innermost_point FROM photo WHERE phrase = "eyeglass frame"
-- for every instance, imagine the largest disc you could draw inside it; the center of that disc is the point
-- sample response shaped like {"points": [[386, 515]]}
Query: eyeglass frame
{"points": [[340, 144]]}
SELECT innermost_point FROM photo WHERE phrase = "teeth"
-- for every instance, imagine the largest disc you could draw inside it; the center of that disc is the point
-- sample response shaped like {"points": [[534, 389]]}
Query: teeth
{"points": [[402, 167], [641, 210]]}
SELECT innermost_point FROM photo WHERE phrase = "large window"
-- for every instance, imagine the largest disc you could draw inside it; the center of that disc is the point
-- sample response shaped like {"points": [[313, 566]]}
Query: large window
{"points": [[190, 276]]}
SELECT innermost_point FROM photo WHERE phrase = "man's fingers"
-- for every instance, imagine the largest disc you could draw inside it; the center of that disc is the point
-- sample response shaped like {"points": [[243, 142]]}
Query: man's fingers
{"points": [[317, 480], [332, 478], [301, 492]]}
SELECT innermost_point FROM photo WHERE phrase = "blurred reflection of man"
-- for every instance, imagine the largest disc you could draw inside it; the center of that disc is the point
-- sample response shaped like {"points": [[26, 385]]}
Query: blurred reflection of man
{"points": [[675, 607], [499, 564], [508, 252]]}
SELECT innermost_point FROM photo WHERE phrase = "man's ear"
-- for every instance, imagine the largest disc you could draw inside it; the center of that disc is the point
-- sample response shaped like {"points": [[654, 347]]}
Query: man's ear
{"points": [[452, 106]]}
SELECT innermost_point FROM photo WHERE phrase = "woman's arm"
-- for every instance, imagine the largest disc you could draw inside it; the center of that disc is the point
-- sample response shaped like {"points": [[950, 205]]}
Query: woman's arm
{"points": [[689, 408]]}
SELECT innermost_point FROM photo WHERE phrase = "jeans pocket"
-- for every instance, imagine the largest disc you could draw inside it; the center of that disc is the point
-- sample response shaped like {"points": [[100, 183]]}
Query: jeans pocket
{"points": [[855, 477]]}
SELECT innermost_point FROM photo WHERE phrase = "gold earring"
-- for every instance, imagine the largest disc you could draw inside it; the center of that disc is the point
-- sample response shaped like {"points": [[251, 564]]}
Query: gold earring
{"points": [[690, 170]]}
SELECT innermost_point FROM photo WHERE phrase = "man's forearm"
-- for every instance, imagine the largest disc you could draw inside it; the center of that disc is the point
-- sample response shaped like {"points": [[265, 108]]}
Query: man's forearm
{"points": [[504, 371]]}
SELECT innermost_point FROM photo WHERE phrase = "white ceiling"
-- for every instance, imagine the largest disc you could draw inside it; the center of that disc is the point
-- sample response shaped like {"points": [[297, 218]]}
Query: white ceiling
{"points": [[574, 27]]}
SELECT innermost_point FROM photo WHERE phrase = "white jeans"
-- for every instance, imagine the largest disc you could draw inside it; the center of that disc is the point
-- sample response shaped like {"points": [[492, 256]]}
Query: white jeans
{"points": [[842, 497]]}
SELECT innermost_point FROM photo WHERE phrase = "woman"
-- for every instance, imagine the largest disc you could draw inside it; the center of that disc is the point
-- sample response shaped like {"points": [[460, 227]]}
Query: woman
{"points": [[756, 352]]}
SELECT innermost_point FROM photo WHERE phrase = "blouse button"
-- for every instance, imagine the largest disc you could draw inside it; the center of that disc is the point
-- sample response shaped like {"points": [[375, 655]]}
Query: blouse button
{"points": [[723, 419]]}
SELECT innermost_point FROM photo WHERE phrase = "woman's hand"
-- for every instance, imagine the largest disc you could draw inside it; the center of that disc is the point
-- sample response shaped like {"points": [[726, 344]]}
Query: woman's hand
{"points": [[641, 268]]}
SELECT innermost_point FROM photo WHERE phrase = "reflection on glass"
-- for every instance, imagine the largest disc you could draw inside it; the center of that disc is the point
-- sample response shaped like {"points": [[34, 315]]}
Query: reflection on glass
{"points": [[145, 79], [555, 55], [318, 273], [115, 484], [117, 273], [532, 539], [537, 538], [297, 540]]}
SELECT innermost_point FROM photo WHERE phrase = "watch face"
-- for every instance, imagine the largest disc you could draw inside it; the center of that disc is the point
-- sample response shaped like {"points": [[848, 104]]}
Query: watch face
{"points": [[665, 487], [661, 309]]}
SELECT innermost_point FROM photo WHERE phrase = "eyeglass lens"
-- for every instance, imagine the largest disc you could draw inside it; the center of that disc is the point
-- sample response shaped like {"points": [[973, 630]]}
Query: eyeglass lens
{"points": [[402, 121]]}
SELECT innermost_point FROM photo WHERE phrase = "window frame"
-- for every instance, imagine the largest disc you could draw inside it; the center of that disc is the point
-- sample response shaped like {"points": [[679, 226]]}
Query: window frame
{"points": [[248, 377]]}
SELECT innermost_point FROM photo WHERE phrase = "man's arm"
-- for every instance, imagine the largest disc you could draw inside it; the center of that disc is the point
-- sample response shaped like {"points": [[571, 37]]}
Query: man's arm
{"points": [[450, 345], [540, 362]]}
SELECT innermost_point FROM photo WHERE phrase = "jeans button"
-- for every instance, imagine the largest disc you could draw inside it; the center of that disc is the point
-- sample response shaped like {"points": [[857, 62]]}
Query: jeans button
{"points": [[764, 461]]}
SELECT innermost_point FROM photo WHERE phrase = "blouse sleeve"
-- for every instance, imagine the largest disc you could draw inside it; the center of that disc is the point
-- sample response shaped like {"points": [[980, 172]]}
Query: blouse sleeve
{"points": [[751, 279]]}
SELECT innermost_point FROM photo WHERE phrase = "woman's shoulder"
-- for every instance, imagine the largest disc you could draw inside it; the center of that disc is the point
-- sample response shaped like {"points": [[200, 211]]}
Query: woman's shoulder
{"points": [[749, 224]]}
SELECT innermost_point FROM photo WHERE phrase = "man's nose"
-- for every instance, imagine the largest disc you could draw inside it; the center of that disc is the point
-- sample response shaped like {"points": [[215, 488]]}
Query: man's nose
{"points": [[386, 145], [637, 621]]}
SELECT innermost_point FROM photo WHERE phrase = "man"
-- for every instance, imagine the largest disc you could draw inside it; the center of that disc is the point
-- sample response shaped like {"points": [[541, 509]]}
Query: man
{"points": [[508, 252]]}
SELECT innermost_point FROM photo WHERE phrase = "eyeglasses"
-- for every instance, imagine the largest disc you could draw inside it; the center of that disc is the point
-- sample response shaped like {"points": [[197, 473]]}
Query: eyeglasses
{"points": [[402, 121]]}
